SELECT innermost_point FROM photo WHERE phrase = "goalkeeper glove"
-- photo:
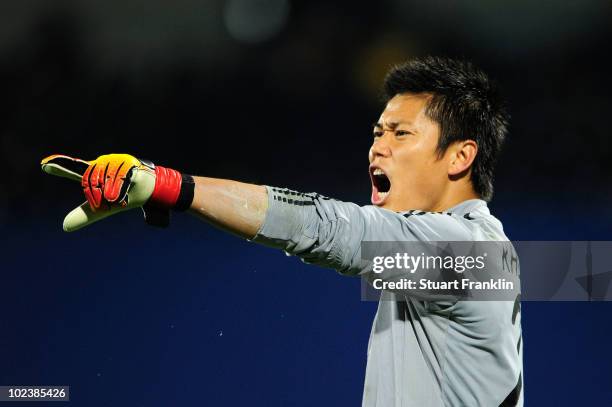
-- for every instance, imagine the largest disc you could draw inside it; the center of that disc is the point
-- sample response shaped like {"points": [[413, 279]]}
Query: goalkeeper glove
{"points": [[116, 182]]}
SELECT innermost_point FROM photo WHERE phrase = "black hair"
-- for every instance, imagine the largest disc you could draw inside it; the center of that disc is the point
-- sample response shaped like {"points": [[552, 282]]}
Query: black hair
{"points": [[465, 103]]}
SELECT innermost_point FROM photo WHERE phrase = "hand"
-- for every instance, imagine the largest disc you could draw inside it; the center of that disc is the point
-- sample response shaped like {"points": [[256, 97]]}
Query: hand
{"points": [[117, 182]]}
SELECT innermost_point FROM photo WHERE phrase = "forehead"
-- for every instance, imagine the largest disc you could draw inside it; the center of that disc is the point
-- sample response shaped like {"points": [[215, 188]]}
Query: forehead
{"points": [[405, 107]]}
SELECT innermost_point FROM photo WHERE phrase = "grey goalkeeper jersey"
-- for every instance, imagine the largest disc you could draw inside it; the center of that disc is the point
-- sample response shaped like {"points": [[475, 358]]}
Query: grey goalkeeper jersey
{"points": [[422, 352]]}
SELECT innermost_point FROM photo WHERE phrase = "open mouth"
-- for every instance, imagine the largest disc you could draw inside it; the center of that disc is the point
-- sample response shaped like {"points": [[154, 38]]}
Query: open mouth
{"points": [[381, 185]]}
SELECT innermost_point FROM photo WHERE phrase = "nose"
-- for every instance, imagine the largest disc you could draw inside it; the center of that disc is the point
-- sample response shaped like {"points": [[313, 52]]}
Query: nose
{"points": [[380, 148]]}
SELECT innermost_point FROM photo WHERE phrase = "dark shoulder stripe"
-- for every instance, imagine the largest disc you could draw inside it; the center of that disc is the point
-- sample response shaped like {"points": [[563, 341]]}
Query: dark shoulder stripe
{"points": [[292, 193], [290, 201], [414, 212]]}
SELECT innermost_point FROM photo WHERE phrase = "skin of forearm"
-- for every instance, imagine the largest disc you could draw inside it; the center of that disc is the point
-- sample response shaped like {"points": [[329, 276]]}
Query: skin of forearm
{"points": [[233, 206]]}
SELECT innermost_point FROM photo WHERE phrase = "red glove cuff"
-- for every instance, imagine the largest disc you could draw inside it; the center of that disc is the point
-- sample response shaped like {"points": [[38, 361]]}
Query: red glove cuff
{"points": [[172, 190], [167, 187]]}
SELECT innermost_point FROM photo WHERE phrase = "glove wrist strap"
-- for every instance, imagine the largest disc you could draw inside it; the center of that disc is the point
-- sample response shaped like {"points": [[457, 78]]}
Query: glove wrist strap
{"points": [[185, 197], [173, 190]]}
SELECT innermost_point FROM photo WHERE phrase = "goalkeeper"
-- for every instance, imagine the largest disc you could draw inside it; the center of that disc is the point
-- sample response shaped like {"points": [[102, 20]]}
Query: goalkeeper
{"points": [[434, 150]]}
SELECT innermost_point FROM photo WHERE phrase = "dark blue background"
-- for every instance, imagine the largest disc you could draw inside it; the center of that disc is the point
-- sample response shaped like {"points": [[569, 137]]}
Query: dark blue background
{"points": [[135, 316]]}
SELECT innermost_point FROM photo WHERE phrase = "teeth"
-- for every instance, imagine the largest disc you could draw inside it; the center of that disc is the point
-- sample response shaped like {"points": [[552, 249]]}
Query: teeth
{"points": [[378, 171], [383, 195]]}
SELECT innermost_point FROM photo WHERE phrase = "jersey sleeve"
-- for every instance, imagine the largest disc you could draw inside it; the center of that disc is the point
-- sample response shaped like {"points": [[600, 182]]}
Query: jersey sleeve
{"points": [[329, 233]]}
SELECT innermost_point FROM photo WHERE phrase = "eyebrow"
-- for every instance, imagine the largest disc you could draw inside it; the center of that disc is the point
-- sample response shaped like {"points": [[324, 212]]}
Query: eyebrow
{"points": [[392, 125]]}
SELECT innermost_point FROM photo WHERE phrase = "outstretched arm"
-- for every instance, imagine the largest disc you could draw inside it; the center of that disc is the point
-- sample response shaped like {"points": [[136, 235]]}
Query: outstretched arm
{"points": [[318, 229], [236, 207], [116, 182]]}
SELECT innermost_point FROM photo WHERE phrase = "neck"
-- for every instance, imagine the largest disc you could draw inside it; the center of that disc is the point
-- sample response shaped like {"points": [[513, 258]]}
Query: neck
{"points": [[454, 197]]}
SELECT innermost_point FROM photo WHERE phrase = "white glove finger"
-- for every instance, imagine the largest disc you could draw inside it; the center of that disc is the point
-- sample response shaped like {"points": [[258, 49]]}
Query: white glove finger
{"points": [[82, 216]]}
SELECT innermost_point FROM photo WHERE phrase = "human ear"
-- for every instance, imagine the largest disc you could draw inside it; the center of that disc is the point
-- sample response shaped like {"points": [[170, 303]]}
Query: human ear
{"points": [[463, 155]]}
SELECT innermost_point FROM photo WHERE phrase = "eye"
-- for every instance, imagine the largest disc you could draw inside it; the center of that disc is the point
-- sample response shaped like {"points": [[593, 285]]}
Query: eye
{"points": [[401, 133], [377, 134]]}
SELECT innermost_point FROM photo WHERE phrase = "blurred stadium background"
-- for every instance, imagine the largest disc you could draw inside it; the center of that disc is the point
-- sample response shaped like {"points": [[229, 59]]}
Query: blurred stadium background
{"points": [[284, 93]]}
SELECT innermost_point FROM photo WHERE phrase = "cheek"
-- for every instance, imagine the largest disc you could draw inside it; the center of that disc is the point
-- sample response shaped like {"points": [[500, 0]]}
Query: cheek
{"points": [[420, 165], [426, 155], [411, 157]]}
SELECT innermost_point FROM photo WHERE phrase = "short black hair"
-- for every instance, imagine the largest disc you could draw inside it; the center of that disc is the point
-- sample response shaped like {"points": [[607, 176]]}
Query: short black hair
{"points": [[465, 103]]}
